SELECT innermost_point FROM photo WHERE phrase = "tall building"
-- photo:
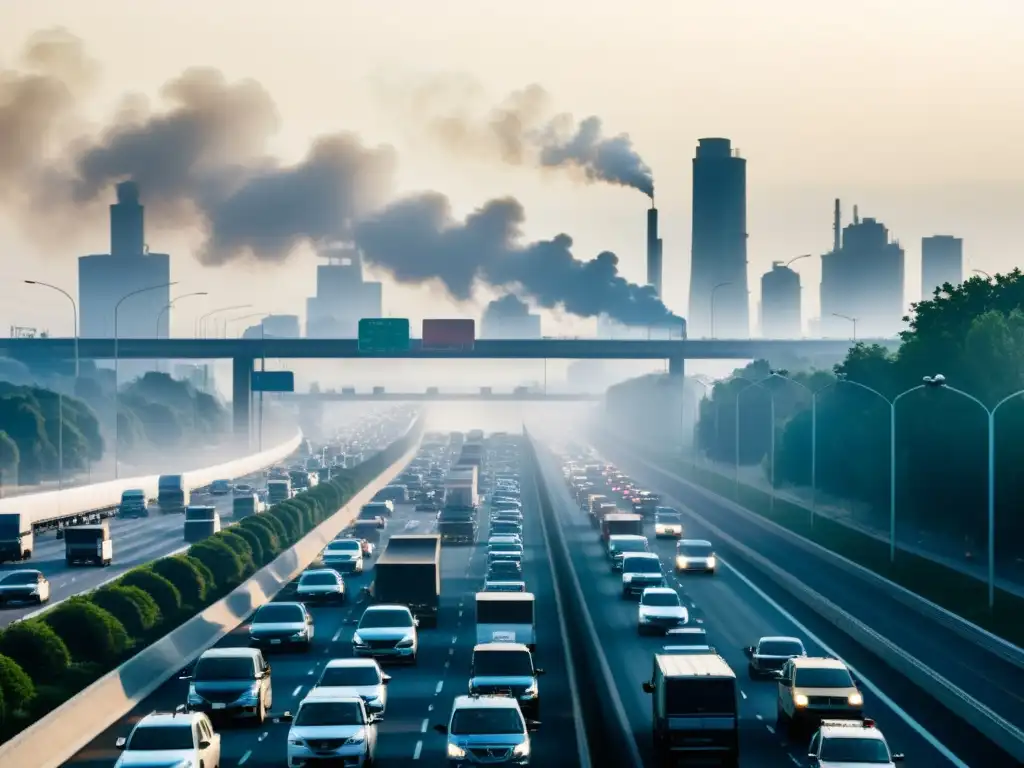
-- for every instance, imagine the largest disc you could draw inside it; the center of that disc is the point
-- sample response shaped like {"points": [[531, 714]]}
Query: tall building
{"points": [[718, 262], [780, 303], [862, 281], [654, 263], [942, 261], [105, 279], [509, 318], [343, 297]]}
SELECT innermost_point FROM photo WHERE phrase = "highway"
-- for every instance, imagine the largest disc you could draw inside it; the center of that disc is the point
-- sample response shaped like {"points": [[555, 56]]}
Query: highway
{"points": [[738, 605], [419, 697]]}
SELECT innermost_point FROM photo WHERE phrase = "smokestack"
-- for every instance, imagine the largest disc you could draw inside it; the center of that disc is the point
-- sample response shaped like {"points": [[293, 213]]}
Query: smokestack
{"points": [[127, 235], [837, 228], [653, 250]]}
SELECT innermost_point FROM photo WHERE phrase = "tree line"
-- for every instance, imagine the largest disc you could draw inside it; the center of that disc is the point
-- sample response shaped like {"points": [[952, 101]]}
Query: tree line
{"points": [[971, 334]]}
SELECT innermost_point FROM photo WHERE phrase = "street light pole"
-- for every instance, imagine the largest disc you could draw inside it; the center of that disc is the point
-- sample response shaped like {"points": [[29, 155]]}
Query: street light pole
{"points": [[983, 272], [852, 320], [200, 328], [167, 308], [713, 292], [117, 309], [60, 395]]}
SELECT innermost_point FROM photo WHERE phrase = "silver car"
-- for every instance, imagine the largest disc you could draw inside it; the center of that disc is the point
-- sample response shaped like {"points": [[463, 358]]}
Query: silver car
{"points": [[344, 556], [322, 584], [332, 729], [356, 677], [281, 625], [487, 730], [387, 631], [660, 609]]}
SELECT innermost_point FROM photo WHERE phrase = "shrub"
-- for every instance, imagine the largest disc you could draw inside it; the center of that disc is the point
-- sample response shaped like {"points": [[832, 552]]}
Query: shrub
{"points": [[16, 688], [3, 708], [276, 526], [267, 538], [289, 519], [36, 648], [137, 611], [241, 548], [186, 576], [207, 574], [88, 631], [163, 592], [253, 542], [225, 565]]}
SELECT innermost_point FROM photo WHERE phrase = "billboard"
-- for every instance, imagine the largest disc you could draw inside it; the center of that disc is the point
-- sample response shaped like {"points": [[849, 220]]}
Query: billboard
{"points": [[449, 334]]}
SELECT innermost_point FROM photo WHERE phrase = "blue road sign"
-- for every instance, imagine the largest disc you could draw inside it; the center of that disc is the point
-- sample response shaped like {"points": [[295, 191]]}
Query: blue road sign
{"points": [[273, 381], [383, 334]]}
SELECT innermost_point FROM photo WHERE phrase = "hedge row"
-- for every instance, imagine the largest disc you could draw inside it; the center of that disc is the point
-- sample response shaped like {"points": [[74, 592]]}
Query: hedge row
{"points": [[46, 660]]}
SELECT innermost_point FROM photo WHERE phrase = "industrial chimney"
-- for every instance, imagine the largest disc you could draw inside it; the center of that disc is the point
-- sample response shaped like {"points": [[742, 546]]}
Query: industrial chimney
{"points": [[837, 228], [653, 250]]}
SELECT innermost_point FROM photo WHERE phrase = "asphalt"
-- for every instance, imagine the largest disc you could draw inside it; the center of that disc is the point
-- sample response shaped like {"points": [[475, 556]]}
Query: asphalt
{"points": [[419, 696], [738, 605]]}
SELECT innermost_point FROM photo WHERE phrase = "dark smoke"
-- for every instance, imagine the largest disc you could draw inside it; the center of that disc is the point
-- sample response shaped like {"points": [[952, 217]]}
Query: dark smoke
{"points": [[416, 240], [521, 130]]}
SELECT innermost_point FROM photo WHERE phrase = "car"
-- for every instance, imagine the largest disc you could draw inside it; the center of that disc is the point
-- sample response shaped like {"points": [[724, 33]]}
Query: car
{"points": [[231, 683], [357, 677], [321, 584], [660, 609], [170, 738], [344, 555], [770, 654], [687, 640], [850, 744], [243, 489], [668, 523], [506, 669], [621, 543], [220, 487], [387, 631], [504, 570], [812, 689], [504, 586], [640, 570], [695, 556], [331, 729], [488, 729], [29, 586], [282, 625]]}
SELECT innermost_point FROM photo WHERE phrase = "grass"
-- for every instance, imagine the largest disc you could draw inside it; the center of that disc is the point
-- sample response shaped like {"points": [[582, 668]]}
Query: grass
{"points": [[957, 592]]}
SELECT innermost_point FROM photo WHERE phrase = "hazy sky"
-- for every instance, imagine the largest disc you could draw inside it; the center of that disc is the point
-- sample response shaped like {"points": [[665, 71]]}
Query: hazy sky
{"points": [[912, 109]]}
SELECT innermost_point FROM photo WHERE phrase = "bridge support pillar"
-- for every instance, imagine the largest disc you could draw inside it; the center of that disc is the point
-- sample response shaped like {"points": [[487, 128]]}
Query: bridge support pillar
{"points": [[677, 366], [241, 398]]}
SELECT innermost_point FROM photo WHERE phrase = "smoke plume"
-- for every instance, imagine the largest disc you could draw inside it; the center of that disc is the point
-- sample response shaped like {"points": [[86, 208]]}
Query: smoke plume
{"points": [[416, 240], [521, 130]]}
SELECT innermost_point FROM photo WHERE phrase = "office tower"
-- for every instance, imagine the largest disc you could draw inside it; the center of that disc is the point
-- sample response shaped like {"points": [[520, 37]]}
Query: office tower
{"points": [[862, 282], [105, 279], [780, 303], [942, 261], [654, 263], [718, 262], [343, 297], [509, 318]]}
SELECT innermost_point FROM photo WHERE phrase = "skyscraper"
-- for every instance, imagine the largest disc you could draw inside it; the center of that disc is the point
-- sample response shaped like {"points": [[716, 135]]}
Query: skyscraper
{"points": [[862, 282], [343, 297], [942, 261], [718, 262], [105, 279], [780, 303]]}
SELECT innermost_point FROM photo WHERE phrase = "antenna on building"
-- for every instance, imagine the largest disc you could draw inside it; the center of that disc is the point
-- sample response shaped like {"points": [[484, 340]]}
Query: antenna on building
{"points": [[837, 227], [856, 215]]}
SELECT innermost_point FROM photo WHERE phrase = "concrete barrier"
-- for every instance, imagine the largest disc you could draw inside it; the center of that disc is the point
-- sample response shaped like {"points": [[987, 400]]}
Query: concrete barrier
{"points": [[51, 505], [53, 740]]}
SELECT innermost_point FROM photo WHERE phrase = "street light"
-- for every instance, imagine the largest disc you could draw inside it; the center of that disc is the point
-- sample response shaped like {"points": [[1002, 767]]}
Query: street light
{"points": [[938, 381], [983, 272], [117, 309], [60, 395], [797, 258], [200, 326], [852, 320], [230, 320], [713, 291], [167, 307], [708, 392]]}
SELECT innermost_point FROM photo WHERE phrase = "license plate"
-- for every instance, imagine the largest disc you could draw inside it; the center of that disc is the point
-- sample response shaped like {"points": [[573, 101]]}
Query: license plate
{"points": [[220, 706], [503, 637], [275, 641]]}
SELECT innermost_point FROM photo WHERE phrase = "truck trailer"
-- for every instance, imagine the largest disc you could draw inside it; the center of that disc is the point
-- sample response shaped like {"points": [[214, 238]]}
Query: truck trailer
{"points": [[408, 572]]}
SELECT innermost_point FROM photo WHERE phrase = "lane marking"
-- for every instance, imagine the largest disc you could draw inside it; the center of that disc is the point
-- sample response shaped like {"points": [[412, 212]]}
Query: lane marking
{"points": [[416, 752], [337, 635], [263, 735], [795, 761], [311, 671], [295, 693], [743, 694], [919, 729], [423, 726], [770, 729], [440, 685], [246, 756]]}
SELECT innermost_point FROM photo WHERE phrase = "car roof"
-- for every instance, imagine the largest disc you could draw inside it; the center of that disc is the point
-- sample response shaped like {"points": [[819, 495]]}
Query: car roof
{"points": [[320, 570], [779, 639], [850, 729], [481, 702], [818, 662], [5, 574], [351, 663], [694, 542], [182, 719], [643, 556], [485, 647], [505, 597], [231, 653], [626, 537], [659, 591], [387, 607], [328, 694], [683, 631]]}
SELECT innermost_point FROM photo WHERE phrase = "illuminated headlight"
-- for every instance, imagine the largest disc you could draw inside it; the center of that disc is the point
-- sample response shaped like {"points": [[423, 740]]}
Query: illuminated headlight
{"points": [[800, 700], [405, 642], [531, 692], [682, 562], [358, 641], [455, 752], [300, 633], [251, 694], [522, 749], [855, 700], [711, 562], [627, 578]]}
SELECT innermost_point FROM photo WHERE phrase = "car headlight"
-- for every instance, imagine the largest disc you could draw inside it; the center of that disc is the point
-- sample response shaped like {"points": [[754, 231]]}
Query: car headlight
{"points": [[358, 738], [627, 577], [800, 700], [531, 691], [855, 700], [682, 562], [300, 633], [358, 641], [405, 642], [711, 562], [295, 741], [455, 752], [251, 694], [521, 749], [34, 590], [644, 618]]}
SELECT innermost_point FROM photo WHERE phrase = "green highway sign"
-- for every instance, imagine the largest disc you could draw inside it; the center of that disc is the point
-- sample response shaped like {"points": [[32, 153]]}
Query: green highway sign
{"points": [[382, 335]]}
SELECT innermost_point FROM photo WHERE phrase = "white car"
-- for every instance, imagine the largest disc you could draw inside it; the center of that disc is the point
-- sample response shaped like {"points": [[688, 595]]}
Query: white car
{"points": [[321, 584], [356, 677], [171, 739], [850, 744], [24, 586], [695, 555], [344, 556], [330, 727], [660, 610], [687, 640], [640, 570], [387, 630], [668, 523]]}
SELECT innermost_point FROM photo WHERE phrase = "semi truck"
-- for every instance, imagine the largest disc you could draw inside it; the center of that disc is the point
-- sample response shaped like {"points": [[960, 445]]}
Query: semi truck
{"points": [[171, 493], [89, 544], [201, 522], [624, 524], [408, 572], [461, 488], [471, 455]]}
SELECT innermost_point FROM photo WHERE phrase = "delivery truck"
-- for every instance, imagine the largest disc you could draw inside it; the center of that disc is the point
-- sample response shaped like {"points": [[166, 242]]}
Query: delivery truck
{"points": [[408, 572]]}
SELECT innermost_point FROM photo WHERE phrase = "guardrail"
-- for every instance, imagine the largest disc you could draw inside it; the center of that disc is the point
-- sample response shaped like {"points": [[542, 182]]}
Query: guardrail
{"points": [[52, 505], [50, 742]]}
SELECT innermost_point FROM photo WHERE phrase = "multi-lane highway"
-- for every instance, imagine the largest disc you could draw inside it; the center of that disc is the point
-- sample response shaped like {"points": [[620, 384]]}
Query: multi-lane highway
{"points": [[736, 607], [419, 696]]}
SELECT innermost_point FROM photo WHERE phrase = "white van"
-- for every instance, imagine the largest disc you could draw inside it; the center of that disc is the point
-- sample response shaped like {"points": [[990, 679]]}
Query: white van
{"points": [[506, 617]]}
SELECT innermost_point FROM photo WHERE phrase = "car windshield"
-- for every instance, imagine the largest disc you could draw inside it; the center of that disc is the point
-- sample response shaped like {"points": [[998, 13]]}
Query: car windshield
{"points": [[847, 750], [503, 567], [20, 578], [502, 664], [330, 713], [668, 517], [642, 565], [487, 721], [385, 618], [780, 648], [319, 578], [822, 678], [279, 614], [161, 737], [630, 546], [695, 550], [211, 668], [661, 599], [344, 546], [338, 677]]}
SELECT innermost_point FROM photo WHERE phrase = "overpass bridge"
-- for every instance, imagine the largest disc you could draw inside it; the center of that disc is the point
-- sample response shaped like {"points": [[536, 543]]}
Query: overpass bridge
{"points": [[449, 397], [244, 352]]}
